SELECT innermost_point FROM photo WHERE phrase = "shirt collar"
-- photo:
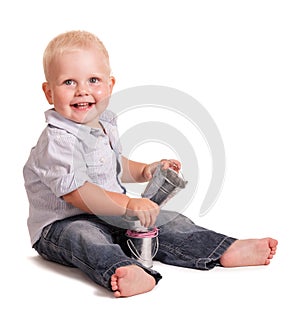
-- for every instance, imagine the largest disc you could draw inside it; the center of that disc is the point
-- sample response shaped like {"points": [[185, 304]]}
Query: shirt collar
{"points": [[79, 130]]}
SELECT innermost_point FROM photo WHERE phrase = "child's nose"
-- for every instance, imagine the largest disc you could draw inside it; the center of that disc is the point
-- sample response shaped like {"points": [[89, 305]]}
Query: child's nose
{"points": [[82, 90]]}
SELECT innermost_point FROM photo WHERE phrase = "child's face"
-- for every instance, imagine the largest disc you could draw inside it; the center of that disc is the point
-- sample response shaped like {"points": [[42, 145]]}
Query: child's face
{"points": [[80, 85]]}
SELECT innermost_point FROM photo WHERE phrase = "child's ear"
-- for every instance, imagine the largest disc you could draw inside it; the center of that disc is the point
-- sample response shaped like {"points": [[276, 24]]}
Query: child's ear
{"points": [[47, 92], [112, 82]]}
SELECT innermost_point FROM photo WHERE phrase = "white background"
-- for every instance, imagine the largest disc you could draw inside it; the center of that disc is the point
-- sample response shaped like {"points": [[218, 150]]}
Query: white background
{"points": [[240, 60]]}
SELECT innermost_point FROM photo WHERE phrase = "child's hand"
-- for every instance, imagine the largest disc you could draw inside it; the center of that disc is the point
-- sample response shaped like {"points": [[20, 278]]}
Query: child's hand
{"points": [[171, 163], [166, 163], [146, 211]]}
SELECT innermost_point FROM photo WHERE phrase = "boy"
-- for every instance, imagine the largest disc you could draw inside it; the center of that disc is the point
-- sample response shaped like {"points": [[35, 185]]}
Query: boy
{"points": [[74, 176]]}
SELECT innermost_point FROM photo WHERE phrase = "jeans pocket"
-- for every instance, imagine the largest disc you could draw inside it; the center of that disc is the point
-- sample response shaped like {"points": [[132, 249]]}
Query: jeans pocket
{"points": [[45, 246], [46, 231]]}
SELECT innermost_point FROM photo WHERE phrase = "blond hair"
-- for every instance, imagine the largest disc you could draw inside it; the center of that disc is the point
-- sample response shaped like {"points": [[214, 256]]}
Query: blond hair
{"points": [[71, 41]]}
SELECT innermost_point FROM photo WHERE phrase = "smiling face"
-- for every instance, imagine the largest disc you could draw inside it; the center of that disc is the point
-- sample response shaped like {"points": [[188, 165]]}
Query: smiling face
{"points": [[79, 85]]}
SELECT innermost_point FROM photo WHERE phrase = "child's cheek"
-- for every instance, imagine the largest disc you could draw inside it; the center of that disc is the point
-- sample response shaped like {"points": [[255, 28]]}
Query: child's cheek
{"points": [[101, 94]]}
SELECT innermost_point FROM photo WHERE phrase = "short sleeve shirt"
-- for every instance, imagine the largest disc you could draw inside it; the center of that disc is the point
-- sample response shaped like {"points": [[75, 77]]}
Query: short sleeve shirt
{"points": [[67, 155]]}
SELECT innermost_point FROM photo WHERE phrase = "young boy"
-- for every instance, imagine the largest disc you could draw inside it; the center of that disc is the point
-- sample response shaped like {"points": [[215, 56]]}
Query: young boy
{"points": [[74, 176]]}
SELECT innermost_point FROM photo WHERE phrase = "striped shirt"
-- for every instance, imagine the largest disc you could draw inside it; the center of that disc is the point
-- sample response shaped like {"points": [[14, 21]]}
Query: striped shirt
{"points": [[67, 155]]}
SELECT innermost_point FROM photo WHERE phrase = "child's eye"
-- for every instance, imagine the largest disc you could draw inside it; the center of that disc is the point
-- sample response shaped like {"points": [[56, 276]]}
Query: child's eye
{"points": [[68, 82], [94, 80]]}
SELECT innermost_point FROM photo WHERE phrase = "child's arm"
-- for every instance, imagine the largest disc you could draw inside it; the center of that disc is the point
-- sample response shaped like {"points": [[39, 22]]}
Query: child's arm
{"points": [[94, 200], [134, 171]]}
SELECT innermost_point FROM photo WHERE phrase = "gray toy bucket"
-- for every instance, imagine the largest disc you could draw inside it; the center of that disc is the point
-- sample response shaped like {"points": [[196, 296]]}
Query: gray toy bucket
{"points": [[165, 183], [143, 246]]}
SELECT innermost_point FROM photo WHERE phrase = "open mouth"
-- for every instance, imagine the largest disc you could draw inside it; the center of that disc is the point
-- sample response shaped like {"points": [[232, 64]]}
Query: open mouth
{"points": [[83, 105]]}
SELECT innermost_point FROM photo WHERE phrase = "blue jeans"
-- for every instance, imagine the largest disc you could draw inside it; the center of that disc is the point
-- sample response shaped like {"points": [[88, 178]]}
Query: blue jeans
{"points": [[99, 248]]}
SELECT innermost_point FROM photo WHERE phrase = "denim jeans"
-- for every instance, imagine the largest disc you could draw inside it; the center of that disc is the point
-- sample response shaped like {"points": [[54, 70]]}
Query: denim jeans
{"points": [[99, 248]]}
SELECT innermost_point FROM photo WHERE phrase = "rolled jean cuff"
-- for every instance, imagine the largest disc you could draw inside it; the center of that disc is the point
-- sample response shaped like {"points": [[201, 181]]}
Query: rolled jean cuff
{"points": [[157, 276], [220, 250]]}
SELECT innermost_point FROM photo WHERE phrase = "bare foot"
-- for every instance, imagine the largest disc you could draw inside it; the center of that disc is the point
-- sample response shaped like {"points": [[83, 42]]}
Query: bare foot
{"points": [[131, 280], [251, 252]]}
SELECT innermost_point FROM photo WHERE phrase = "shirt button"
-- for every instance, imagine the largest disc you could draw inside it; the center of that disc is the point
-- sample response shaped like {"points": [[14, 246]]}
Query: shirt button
{"points": [[102, 159]]}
